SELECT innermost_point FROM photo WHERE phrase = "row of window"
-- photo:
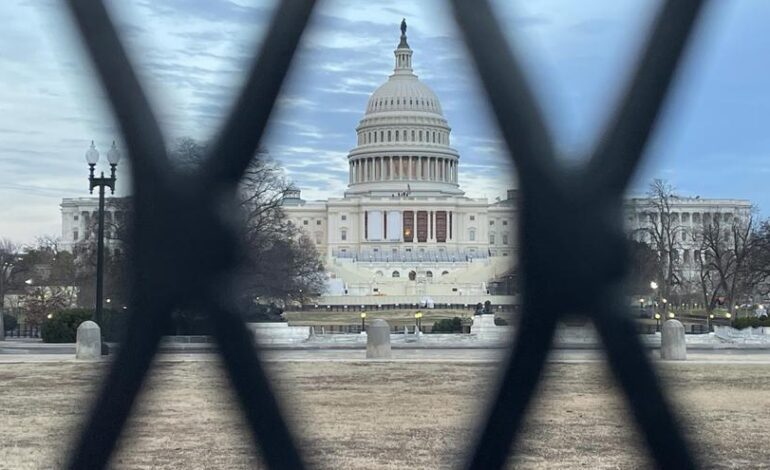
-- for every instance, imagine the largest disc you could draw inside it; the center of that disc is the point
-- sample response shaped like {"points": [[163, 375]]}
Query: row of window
{"points": [[384, 102], [685, 217], [412, 274], [491, 222], [682, 235], [471, 236], [374, 137]]}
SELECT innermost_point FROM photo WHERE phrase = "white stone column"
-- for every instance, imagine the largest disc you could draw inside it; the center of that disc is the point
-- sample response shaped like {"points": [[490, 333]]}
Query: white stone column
{"points": [[392, 161], [382, 168], [409, 168], [432, 225]]}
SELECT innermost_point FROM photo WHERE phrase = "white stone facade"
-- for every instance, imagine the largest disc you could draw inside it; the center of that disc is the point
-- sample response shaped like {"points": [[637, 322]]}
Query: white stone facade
{"points": [[79, 218], [688, 214]]}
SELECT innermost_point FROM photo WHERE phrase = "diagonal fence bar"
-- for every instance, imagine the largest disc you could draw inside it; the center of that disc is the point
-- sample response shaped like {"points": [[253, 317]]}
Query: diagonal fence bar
{"points": [[580, 273], [177, 217]]}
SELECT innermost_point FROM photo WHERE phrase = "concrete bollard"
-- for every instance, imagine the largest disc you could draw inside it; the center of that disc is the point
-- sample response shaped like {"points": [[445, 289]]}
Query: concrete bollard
{"points": [[89, 341], [673, 346], [378, 340]]}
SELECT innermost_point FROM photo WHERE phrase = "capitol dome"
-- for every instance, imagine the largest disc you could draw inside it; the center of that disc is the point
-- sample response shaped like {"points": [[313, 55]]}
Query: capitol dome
{"points": [[403, 93], [403, 138]]}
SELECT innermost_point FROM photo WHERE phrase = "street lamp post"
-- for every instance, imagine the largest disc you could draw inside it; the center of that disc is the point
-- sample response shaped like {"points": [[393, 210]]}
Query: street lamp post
{"points": [[657, 321], [654, 287], [92, 157], [363, 322]]}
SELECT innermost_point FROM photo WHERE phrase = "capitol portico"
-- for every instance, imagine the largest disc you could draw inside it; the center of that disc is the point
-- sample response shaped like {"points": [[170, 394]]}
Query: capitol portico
{"points": [[403, 226]]}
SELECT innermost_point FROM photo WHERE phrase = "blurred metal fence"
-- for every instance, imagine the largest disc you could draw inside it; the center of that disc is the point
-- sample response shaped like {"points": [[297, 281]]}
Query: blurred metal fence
{"points": [[570, 229]]}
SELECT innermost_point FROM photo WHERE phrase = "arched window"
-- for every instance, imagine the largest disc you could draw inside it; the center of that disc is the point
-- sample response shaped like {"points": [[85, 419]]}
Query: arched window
{"points": [[382, 136], [396, 136], [505, 239], [343, 234], [412, 136], [429, 274], [379, 274], [444, 273], [396, 274], [472, 235], [491, 238], [388, 136], [420, 136], [412, 275]]}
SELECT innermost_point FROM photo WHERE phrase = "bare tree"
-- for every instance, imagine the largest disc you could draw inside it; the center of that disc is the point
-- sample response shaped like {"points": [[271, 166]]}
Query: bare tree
{"points": [[283, 263], [728, 258], [10, 257], [42, 301], [664, 232]]}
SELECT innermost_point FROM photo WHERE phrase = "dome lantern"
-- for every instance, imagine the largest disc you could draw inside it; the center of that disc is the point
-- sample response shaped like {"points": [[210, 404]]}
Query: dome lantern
{"points": [[403, 53]]}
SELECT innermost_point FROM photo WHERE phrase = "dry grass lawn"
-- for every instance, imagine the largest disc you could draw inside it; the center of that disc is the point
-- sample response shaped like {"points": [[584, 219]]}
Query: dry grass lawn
{"points": [[381, 415]]}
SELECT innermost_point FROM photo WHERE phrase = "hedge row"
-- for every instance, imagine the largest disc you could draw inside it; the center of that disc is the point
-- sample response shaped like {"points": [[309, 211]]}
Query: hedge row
{"points": [[753, 322], [62, 326]]}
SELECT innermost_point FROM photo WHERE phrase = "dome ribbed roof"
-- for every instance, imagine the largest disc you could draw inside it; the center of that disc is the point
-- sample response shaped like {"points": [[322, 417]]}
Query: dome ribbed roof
{"points": [[403, 93]]}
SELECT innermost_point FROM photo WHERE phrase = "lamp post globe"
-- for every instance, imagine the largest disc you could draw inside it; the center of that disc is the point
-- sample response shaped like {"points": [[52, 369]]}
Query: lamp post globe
{"points": [[113, 154], [92, 155]]}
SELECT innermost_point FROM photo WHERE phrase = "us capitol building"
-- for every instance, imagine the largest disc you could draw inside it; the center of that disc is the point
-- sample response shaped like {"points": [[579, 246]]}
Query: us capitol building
{"points": [[404, 226]]}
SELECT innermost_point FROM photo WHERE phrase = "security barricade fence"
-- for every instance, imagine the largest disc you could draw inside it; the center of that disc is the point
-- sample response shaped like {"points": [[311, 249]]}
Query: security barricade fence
{"points": [[572, 245]]}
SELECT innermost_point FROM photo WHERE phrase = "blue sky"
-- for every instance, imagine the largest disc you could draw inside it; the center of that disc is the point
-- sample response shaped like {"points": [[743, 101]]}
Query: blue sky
{"points": [[713, 140]]}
